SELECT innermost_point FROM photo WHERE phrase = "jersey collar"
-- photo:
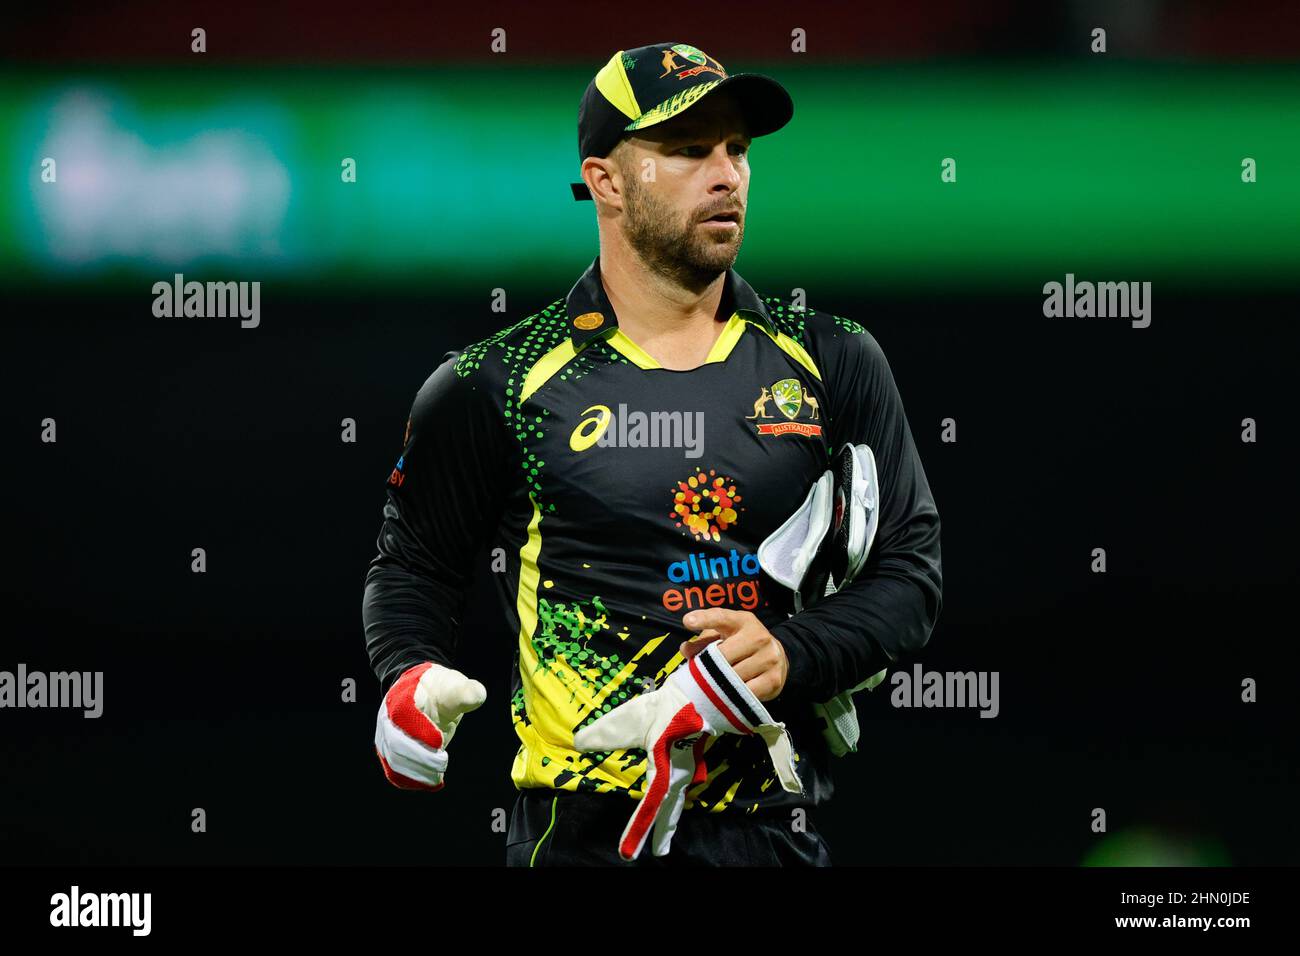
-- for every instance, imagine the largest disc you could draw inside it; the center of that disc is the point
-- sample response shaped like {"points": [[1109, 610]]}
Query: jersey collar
{"points": [[590, 314]]}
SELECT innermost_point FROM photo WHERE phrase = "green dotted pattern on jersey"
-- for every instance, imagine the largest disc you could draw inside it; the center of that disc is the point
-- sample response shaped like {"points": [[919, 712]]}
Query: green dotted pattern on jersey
{"points": [[520, 346], [606, 351], [793, 323], [563, 632], [786, 319], [585, 362], [848, 325]]}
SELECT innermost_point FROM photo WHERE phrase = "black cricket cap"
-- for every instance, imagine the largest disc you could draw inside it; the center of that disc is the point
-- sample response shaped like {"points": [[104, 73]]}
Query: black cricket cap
{"points": [[645, 86]]}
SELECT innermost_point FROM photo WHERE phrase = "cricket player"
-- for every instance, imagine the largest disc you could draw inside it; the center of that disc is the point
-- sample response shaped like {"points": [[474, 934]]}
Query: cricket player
{"points": [[629, 449]]}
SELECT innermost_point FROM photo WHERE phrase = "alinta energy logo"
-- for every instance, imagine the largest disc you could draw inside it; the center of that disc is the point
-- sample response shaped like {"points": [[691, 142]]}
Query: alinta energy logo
{"points": [[398, 475], [791, 399], [704, 506], [724, 580]]}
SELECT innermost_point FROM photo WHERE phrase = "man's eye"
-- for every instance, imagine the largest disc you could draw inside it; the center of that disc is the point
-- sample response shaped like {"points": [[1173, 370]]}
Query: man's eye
{"points": [[738, 149]]}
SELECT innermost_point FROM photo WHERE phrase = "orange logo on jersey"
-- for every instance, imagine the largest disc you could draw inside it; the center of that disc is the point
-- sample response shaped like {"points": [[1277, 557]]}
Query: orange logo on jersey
{"points": [[589, 320], [705, 505]]}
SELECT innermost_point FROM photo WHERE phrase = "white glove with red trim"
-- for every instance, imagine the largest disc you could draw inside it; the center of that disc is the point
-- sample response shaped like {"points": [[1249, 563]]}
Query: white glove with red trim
{"points": [[702, 696], [416, 721]]}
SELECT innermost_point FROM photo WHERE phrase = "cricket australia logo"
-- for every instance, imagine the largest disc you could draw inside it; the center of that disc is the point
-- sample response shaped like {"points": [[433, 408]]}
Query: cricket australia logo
{"points": [[791, 399], [703, 62]]}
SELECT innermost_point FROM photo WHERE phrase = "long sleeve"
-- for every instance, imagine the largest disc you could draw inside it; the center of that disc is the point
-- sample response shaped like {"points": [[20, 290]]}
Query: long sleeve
{"points": [[444, 500], [890, 608]]}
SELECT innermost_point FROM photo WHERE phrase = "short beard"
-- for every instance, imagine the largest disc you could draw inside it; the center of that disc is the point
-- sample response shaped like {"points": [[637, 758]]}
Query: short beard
{"points": [[680, 252]]}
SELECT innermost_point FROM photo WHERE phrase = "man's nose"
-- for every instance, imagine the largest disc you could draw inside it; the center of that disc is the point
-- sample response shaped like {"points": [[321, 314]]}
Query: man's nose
{"points": [[722, 169]]}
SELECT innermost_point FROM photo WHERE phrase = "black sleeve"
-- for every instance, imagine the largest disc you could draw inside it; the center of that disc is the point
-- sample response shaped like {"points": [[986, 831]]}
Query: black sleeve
{"points": [[890, 608], [444, 500]]}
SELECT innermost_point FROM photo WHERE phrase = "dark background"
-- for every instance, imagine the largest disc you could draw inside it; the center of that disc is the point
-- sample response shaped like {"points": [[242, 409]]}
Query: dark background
{"points": [[222, 690]]}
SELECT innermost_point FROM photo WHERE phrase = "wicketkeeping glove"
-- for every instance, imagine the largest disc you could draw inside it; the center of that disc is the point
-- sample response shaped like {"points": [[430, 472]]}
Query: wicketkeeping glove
{"points": [[820, 549], [417, 718], [702, 696]]}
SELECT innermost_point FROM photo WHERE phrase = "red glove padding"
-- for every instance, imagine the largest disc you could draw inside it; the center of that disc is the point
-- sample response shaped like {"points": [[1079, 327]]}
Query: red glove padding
{"points": [[416, 721]]}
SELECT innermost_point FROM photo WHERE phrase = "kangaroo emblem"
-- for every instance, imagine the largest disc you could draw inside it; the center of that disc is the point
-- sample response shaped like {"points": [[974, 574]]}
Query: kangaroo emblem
{"points": [[760, 405]]}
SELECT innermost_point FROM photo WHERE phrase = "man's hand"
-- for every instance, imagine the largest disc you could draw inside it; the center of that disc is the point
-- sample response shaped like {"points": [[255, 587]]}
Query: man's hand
{"points": [[702, 696], [416, 721], [753, 652]]}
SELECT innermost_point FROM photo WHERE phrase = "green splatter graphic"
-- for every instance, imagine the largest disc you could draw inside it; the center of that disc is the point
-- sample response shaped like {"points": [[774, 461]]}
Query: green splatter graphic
{"points": [[564, 630], [794, 322], [519, 347], [788, 320], [848, 325], [608, 352], [563, 633], [471, 357], [562, 636]]}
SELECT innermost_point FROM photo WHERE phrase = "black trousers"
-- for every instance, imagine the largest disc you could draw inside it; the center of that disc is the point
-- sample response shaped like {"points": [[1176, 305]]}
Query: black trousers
{"points": [[562, 828]]}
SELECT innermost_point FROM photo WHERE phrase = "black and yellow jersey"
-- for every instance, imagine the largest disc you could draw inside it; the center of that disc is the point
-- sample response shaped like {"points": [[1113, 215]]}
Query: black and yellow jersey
{"points": [[622, 495]]}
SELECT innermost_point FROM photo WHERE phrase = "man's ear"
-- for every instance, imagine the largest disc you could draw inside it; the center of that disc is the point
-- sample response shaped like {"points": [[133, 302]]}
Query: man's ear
{"points": [[612, 171], [598, 174]]}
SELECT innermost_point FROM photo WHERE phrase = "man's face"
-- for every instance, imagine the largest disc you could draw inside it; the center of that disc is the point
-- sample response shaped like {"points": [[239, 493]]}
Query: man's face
{"points": [[701, 170]]}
